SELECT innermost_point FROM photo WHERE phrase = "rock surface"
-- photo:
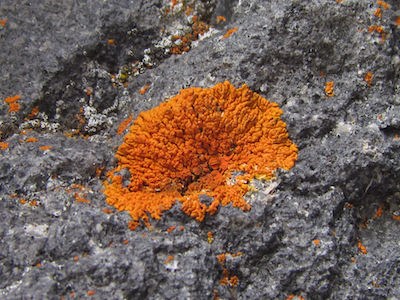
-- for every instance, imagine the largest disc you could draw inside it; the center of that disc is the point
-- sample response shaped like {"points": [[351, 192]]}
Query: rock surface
{"points": [[327, 229]]}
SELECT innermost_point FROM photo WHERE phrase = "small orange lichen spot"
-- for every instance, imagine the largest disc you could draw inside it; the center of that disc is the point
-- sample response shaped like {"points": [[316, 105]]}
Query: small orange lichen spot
{"points": [[22, 201], [221, 258], [80, 199], [378, 13], [13, 105], [379, 29], [234, 281], [379, 212], [39, 264], [220, 19], [353, 260], [125, 242], [181, 228], [192, 145], [45, 148], [210, 237], [4, 145], [91, 293], [76, 258], [397, 21], [124, 125], [362, 248], [396, 217], [3, 22], [339, 1], [111, 42], [329, 86], [383, 4], [317, 243], [144, 89], [107, 210], [34, 112], [294, 297], [31, 140], [33, 203], [88, 91], [368, 77], [169, 259], [230, 32], [171, 228]]}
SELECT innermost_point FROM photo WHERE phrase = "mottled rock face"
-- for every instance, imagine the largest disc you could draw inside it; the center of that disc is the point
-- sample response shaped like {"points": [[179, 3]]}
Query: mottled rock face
{"points": [[75, 75]]}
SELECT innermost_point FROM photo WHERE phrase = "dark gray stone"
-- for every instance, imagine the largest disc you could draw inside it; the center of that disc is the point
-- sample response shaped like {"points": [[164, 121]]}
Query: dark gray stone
{"points": [[303, 233]]}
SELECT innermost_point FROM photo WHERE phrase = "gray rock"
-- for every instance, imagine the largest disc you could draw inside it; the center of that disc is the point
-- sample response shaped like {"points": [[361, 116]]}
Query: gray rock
{"points": [[82, 64]]}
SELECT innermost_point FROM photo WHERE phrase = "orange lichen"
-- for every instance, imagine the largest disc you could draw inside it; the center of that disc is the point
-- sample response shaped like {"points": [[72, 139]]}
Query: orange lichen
{"points": [[3, 22], [383, 4], [368, 77], [397, 21], [144, 89], [220, 19], [361, 248], [22, 201], [34, 112], [125, 242], [91, 293], [33, 203], [195, 144], [171, 228], [378, 212], [396, 217], [107, 210], [3, 145], [124, 125], [378, 13], [169, 259], [80, 199], [329, 86], [111, 42], [13, 105], [379, 29], [210, 237], [31, 140], [183, 43], [294, 297], [230, 32], [317, 243], [45, 148], [76, 258]]}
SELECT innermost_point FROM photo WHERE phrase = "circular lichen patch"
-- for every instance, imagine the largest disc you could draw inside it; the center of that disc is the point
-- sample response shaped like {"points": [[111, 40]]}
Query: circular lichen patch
{"points": [[191, 145]]}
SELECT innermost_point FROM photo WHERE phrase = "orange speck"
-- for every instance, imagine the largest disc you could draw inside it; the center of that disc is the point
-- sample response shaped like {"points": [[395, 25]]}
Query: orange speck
{"points": [[3, 22], [76, 258], [88, 91], [234, 280], [39, 264], [124, 125], [171, 228], [45, 148], [125, 242], [362, 248], [368, 77], [397, 21], [13, 105], [190, 145], [396, 217], [31, 140], [33, 203], [317, 242], [91, 293], [230, 32], [169, 259], [220, 19], [4, 145], [383, 4], [181, 228], [379, 212], [221, 258], [210, 237], [22, 201], [80, 199], [294, 297], [378, 13], [111, 42], [34, 112], [339, 1], [107, 210], [329, 86], [378, 29], [144, 89]]}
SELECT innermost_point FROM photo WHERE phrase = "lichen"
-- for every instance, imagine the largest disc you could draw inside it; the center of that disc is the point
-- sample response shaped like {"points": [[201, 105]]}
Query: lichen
{"points": [[204, 141]]}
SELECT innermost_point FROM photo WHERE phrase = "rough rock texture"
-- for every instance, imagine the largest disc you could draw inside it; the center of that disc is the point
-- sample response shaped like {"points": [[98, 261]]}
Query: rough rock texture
{"points": [[327, 229]]}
